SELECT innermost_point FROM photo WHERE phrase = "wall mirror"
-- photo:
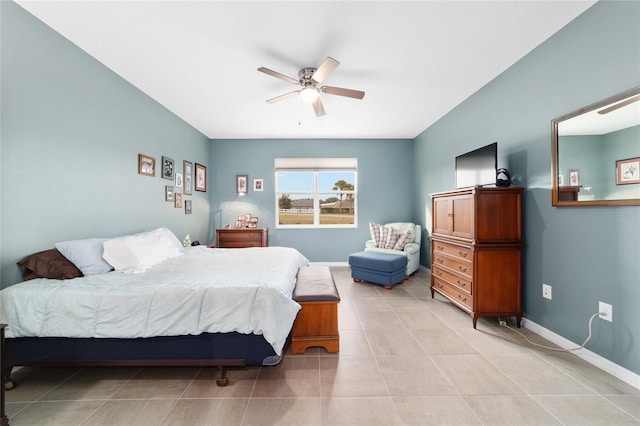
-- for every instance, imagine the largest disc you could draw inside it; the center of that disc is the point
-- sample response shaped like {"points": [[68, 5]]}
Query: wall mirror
{"points": [[595, 153]]}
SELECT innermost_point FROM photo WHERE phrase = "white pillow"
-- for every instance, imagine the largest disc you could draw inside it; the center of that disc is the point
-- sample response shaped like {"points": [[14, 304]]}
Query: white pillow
{"points": [[86, 254], [172, 238], [137, 253]]}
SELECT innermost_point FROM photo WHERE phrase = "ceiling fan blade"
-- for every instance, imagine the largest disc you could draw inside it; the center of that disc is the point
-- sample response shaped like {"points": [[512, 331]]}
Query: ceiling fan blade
{"points": [[349, 93], [278, 75], [318, 108], [620, 105], [283, 97], [325, 69]]}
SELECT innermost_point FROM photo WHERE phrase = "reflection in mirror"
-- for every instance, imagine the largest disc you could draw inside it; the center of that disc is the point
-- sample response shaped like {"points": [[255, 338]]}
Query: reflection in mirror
{"points": [[596, 153]]}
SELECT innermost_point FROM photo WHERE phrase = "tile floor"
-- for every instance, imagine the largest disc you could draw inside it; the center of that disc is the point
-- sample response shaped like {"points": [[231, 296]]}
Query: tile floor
{"points": [[405, 359]]}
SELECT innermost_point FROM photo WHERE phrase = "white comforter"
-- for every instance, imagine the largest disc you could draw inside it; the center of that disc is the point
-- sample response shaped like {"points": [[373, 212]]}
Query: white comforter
{"points": [[205, 290]]}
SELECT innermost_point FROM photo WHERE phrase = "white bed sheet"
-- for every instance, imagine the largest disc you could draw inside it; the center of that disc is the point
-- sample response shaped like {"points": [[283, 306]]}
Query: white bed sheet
{"points": [[205, 290]]}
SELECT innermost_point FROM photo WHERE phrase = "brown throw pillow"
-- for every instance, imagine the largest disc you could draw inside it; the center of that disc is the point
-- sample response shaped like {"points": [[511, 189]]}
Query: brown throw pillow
{"points": [[48, 264]]}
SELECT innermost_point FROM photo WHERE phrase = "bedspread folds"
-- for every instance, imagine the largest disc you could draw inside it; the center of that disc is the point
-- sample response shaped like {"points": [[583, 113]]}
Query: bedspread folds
{"points": [[204, 290]]}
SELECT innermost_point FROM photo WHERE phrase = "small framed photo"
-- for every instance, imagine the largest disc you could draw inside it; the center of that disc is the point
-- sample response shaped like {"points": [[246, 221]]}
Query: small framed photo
{"points": [[146, 165], [254, 219], [628, 171], [178, 180], [187, 171], [252, 225], [241, 184], [177, 203], [168, 168], [258, 184], [201, 178], [238, 224], [574, 178], [168, 193], [187, 206], [247, 217]]}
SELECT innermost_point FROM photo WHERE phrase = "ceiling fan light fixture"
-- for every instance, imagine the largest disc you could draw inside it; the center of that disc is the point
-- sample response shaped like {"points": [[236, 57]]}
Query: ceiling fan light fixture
{"points": [[309, 94]]}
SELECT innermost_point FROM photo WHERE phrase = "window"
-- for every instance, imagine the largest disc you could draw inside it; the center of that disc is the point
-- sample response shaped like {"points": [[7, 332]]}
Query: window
{"points": [[316, 192]]}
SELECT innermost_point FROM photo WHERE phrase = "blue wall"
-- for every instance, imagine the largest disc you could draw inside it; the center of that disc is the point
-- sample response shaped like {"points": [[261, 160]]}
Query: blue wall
{"points": [[587, 254], [71, 134], [385, 188]]}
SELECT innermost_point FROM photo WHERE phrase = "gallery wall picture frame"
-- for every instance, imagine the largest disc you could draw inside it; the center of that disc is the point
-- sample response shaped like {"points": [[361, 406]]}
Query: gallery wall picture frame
{"points": [[258, 185], [628, 171], [242, 184], [187, 172], [168, 168], [146, 165], [179, 180], [187, 206], [177, 203], [169, 190], [574, 178], [201, 178]]}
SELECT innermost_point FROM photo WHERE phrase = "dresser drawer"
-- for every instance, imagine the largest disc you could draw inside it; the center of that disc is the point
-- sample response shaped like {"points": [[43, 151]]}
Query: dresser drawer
{"points": [[453, 263], [462, 283], [453, 250], [453, 292]]}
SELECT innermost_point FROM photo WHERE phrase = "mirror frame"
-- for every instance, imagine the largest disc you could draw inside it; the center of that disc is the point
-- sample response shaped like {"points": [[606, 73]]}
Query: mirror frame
{"points": [[555, 201]]}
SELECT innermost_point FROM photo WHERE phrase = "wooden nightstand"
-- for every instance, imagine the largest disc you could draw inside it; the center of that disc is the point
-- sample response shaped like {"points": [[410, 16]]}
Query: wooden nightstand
{"points": [[242, 237]]}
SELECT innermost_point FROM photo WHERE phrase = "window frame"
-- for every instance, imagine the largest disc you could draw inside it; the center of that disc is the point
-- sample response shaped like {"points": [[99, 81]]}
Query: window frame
{"points": [[317, 166]]}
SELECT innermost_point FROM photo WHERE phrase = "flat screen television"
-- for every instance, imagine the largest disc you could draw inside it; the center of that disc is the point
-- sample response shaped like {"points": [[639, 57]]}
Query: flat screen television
{"points": [[477, 167]]}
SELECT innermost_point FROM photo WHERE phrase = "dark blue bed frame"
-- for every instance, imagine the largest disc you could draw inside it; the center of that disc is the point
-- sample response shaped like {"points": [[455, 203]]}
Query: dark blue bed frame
{"points": [[219, 350]]}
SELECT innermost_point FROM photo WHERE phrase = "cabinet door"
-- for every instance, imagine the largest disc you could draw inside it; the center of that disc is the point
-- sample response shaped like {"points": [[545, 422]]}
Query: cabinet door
{"points": [[442, 223], [462, 216]]}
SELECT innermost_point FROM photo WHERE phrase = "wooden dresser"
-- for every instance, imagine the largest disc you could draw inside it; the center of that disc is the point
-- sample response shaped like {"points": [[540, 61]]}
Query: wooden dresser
{"points": [[476, 250], [242, 237]]}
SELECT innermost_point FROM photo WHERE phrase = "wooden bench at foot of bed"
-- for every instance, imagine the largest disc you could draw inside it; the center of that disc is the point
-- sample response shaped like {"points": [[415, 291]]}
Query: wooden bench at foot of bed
{"points": [[317, 321]]}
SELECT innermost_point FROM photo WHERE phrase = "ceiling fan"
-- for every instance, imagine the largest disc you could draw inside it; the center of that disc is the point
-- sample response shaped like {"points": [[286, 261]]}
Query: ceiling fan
{"points": [[310, 80]]}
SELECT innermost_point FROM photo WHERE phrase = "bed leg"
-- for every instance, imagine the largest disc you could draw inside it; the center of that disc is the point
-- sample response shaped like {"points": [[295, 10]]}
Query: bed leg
{"points": [[5, 377], [223, 380]]}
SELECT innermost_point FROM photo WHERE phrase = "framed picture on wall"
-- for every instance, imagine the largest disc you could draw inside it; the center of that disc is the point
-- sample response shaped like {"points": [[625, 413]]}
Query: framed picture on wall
{"points": [[168, 193], [258, 184], [241, 184], [574, 178], [178, 180], [146, 165], [628, 171], [187, 173], [168, 168], [201, 178], [187, 206], [177, 203]]}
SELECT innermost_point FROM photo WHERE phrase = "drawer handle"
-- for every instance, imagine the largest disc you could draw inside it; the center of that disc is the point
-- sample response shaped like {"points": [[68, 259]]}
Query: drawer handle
{"points": [[440, 261], [464, 299], [463, 254], [439, 273], [440, 248], [462, 269], [462, 284], [450, 215]]}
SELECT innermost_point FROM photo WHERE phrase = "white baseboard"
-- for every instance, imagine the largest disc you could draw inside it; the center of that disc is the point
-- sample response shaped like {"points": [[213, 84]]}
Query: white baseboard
{"points": [[604, 364], [330, 263]]}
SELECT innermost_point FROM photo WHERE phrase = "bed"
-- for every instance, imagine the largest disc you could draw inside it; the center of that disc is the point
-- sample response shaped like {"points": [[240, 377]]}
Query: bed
{"points": [[203, 307]]}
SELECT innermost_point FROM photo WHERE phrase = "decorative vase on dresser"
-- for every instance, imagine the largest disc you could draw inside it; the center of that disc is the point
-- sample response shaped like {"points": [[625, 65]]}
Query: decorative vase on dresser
{"points": [[476, 250]]}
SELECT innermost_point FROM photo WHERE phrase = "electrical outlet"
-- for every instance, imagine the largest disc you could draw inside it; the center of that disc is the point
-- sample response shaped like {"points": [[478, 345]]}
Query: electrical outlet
{"points": [[606, 311], [546, 291]]}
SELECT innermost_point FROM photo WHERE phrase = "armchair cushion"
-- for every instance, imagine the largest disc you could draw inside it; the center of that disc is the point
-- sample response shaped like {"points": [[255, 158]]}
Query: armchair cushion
{"points": [[392, 235]]}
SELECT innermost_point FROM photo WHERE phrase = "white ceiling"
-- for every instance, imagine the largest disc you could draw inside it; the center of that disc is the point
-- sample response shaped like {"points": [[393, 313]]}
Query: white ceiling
{"points": [[416, 60]]}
